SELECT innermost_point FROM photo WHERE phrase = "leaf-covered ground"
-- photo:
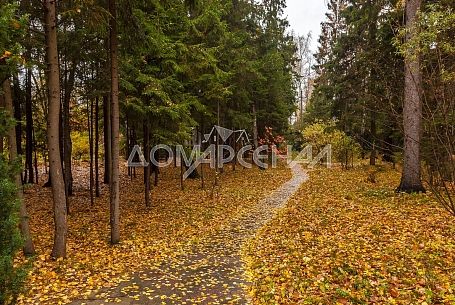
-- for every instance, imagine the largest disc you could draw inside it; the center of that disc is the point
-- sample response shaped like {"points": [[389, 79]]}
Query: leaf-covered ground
{"points": [[209, 272], [149, 235], [345, 240]]}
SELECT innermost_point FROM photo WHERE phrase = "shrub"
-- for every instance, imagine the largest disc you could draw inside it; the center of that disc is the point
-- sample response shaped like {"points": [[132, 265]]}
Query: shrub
{"points": [[11, 277], [320, 134], [81, 145]]}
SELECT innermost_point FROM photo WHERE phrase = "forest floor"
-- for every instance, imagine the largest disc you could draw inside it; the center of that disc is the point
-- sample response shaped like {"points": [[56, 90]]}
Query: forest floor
{"points": [[177, 219], [345, 238], [209, 272]]}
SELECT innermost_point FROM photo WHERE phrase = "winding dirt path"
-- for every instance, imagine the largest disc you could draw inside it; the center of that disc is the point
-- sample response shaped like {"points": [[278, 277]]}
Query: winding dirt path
{"points": [[207, 273]]}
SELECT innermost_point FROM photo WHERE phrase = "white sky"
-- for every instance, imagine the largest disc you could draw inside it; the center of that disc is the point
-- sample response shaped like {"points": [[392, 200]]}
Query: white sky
{"points": [[305, 16]]}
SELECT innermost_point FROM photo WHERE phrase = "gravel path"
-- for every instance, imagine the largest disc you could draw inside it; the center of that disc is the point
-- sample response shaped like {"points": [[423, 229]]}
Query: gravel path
{"points": [[208, 273]]}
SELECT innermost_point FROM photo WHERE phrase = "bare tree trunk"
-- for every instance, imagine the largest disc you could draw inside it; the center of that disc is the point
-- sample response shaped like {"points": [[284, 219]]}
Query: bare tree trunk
{"points": [[12, 147], [17, 108], [255, 127], [55, 164], [156, 171], [36, 157], [182, 186], [202, 175], [17, 96], [90, 139], [128, 144], [373, 139], [107, 138], [147, 168], [29, 126], [134, 143], [115, 126], [97, 147], [202, 163], [67, 143], [412, 109], [2, 105], [234, 146], [217, 149]]}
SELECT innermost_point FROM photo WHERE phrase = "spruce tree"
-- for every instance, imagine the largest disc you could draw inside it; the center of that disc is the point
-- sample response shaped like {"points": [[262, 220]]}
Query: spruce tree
{"points": [[11, 277]]}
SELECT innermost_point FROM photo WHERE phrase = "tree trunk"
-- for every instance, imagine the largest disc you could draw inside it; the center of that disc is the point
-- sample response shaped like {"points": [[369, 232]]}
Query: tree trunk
{"points": [[97, 147], [128, 144], [2, 105], [17, 96], [17, 104], [234, 146], [134, 143], [412, 109], [202, 163], [373, 138], [36, 157], [147, 168], [156, 171], [373, 19], [255, 127], [12, 147], [90, 140], [29, 127], [115, 126], [107, 138], [67, 143], [55, 164]]}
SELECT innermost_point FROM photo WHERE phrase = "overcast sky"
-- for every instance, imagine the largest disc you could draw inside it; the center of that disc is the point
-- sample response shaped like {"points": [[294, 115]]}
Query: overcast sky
{"points": [[305, 16]]}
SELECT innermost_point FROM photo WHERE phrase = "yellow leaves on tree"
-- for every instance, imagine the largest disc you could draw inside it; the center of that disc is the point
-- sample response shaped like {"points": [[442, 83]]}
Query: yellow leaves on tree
{"points": [[5, 55]]}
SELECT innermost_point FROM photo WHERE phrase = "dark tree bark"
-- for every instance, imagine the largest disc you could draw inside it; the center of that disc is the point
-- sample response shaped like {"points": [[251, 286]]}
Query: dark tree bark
{"points": [[67, 143], [202, 175], [17, 104], [97, 148], [29, 143], [147, 168], [412, 109], [182, 186], [234, 146], [156, 172], [202, 163], [36, 158], [55, 164], [2, 105], [90, 139], [372, 29], [107, 138], [373, 138], [134, 137], [128, 143], [13, 154], [255, 127], [115, 127]]}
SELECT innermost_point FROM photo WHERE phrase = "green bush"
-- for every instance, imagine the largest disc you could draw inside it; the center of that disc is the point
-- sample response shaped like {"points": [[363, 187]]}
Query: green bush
{"points": [[11, 277], [81, 145], [320, 134]]}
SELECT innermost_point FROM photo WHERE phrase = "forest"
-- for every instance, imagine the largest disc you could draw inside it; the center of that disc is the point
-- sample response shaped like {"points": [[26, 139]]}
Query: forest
{"points": [[233, 105]]}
